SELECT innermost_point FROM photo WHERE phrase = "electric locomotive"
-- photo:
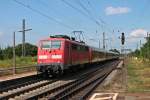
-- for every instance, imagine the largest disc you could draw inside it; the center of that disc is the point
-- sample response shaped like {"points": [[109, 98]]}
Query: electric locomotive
{"points": [[59, 53]]}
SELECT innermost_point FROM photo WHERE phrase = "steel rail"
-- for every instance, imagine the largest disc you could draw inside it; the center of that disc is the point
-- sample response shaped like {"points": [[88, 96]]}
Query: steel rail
{"points": [[86, 92], [13, 83], [22, 90], [13, 94], [10, 70], [21, 84], [51, 93], [67, 92]]}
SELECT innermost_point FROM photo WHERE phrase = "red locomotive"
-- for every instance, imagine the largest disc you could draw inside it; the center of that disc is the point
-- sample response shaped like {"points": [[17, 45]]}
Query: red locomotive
{"points": [[59, 53]]}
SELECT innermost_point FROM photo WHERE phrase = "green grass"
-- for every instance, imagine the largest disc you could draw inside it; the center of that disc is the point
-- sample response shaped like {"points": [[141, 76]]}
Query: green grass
{"points": [[20, 62], [138, 75]]}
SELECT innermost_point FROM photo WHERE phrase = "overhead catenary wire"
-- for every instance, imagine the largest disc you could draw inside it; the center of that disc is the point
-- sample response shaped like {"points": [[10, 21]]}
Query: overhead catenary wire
{"points": [[46, 5], [77, 9], [90, 5], [107, 25], [87, 15], [43, 14], [55, 20], [80, 11], [88, 12], [99, 17]]}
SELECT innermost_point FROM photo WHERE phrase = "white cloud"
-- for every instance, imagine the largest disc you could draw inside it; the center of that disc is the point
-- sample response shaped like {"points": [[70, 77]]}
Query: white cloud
{"points": [[116, 10], [138, 33]]}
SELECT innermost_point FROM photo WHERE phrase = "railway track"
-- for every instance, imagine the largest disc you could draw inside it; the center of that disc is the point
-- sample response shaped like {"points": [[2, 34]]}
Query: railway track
{"points": [[14, 83], [24, 89], [79, 89], [73, 87], [30, 91]]}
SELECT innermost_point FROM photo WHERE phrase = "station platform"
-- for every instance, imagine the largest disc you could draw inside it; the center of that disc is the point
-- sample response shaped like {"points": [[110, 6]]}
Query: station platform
{"points": [[15, 76]]}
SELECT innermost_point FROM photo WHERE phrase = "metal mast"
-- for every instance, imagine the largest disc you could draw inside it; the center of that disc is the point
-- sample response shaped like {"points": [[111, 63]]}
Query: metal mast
{"points": [[23, 37]]}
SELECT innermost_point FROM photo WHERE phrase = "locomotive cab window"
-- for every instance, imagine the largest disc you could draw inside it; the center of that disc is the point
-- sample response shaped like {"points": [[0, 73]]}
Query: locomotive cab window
{"points": [[54, 44], [45, 44]]}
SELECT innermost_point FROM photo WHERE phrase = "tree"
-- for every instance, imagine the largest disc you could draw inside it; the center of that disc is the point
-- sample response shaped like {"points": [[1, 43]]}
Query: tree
{"points": [[1, 54], [7, 53], [144, 51], [31, 50]]}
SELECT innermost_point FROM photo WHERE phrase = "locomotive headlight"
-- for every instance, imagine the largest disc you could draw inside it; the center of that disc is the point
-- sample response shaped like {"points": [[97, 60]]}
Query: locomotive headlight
{"points": [[43, 57], [56, 56]]}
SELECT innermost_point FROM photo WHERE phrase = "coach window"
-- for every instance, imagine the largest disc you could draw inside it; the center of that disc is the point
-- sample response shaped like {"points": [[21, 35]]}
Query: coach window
{"points": [[84, 48], [74, 47]]}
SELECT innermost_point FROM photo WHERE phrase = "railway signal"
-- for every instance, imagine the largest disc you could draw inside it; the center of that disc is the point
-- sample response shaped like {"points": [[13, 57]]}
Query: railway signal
{"points": [[122, 38], [122, 41]]}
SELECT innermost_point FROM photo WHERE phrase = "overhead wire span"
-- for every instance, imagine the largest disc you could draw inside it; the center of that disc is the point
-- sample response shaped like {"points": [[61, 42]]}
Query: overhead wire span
{"points": [[46, 4], [42, 14], [88, 11], [80, 11], [99, 17], [91, 15], [107, 26], [89, 3]]}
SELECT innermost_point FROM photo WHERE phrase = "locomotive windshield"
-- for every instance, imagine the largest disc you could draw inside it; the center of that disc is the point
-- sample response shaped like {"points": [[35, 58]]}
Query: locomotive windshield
{"points": [[54, 44]]}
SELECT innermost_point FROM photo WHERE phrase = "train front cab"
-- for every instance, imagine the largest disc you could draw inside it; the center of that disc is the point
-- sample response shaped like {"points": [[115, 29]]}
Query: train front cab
{"points": [[50, 56]]}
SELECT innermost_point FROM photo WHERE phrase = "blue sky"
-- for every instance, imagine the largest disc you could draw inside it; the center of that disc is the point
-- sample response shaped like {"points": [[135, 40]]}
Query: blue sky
{"points": [[129, 16]]}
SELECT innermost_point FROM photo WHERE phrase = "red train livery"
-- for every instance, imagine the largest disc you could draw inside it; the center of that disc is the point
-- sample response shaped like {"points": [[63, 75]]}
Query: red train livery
{"points": [[59, 53]]}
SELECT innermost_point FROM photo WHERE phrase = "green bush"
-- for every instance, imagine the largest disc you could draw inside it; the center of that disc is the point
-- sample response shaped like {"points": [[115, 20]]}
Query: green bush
{"points": [[20, 62]]}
